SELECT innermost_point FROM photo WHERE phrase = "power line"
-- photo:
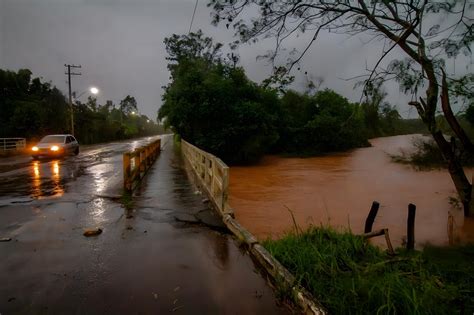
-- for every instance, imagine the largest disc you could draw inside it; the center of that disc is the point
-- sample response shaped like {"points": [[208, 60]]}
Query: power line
{"points": [[192, 19]]}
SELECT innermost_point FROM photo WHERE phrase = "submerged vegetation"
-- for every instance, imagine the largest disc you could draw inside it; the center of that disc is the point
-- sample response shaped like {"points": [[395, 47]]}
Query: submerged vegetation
{"points": [[427, 155], [349, 276]]}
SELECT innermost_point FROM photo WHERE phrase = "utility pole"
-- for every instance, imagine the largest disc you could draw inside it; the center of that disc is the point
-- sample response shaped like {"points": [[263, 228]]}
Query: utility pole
{"points": [[69, 74]]}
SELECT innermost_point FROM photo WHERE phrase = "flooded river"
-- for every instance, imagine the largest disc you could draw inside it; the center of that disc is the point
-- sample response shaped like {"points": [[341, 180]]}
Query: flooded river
{"points": [[339, 189]]}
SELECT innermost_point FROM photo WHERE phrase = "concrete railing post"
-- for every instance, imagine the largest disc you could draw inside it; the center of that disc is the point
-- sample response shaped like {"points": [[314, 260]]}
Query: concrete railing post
{"points": [[126, 172]]}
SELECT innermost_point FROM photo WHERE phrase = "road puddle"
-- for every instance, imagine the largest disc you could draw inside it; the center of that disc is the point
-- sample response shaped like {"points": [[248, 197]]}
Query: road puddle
{"points": [[339, 189]]}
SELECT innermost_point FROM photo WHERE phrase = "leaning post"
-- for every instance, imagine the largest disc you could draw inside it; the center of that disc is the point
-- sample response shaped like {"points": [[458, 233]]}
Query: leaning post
{"points": [[411, 226], [369, 222]]}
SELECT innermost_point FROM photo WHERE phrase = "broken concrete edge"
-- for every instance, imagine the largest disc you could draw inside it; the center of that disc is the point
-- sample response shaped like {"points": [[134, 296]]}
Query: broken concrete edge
{"points": [[278, 273], [274, 269]]}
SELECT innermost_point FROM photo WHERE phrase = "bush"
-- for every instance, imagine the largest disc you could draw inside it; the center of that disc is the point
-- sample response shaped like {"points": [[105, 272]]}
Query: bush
{"points": [[324, 122], [427, 155]]}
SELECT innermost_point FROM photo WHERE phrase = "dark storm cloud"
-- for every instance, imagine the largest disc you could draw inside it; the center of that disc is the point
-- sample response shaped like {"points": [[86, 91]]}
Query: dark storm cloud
{"points": [[119, 43]]}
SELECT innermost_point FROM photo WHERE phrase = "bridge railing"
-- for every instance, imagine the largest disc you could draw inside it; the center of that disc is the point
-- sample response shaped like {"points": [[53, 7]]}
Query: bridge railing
{"points": [[137, 163], [212, 174], [12, 144]]}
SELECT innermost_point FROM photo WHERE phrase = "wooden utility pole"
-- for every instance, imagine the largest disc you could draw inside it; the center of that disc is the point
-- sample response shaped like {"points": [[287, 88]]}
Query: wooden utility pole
{"points": [[69, 74]]}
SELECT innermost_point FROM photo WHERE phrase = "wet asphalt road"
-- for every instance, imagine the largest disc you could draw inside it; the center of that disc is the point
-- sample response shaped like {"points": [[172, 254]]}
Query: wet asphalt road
{"points": [[153, 257]]}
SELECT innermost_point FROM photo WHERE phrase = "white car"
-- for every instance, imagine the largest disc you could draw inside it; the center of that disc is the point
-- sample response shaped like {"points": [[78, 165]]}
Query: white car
{"points": [[55, 145]]}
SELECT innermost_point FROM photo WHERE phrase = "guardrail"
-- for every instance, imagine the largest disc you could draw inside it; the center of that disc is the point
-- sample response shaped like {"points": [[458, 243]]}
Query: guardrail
{"points": [[12, 144], [213, 176], [137, 163], [212, 173]]}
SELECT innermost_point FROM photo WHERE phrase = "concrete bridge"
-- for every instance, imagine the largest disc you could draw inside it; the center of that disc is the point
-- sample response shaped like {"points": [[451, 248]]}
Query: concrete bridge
{"points": [[161, 251]]}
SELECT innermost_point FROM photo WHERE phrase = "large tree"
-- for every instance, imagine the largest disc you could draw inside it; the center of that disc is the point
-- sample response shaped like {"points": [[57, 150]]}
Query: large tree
{"points": [[128, 105], [212, 104], [427, 32]]}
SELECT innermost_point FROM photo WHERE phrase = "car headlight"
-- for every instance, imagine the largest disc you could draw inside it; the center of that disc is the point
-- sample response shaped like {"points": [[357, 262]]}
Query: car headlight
{"points": [[35, 148], [54, 148]]}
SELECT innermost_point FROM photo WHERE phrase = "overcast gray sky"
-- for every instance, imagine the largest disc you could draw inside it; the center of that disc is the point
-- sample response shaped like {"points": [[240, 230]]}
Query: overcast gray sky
{"points": [[119, 44]]}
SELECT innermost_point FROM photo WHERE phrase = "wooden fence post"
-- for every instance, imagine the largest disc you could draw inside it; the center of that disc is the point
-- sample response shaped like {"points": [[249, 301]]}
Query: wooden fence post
{"points": [[411, 226], [369, 222]]}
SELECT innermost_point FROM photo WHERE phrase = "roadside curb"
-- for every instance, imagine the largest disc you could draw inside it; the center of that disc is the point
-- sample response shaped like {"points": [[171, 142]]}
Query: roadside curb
{"points": [[274, 268]]}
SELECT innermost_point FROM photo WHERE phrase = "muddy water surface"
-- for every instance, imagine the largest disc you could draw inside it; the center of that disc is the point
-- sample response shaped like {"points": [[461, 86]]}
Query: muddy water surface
{"points": [[339, 190]]}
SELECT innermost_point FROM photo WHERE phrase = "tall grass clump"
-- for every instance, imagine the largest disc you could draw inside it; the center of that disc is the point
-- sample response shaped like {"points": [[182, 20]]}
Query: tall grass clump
{"points": [[349, 276]]}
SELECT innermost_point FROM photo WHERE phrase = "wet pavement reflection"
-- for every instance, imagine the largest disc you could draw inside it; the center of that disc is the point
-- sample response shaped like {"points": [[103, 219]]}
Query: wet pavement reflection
{"points": [[145, 261], [23, 179]]}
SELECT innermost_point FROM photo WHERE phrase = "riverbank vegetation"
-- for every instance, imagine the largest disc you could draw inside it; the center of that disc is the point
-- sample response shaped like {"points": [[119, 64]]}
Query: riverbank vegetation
{"points": [[211, 103], [427, 155], [31, 109], [349, 276], [426, 35]]}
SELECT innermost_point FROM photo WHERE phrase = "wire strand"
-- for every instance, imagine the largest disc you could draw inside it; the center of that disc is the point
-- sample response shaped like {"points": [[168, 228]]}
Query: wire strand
{"points": [[192, 19]]}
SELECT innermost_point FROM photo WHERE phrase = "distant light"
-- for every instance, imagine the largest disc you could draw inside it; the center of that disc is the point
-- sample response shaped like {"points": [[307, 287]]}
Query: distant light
{"points": [[148, 120], [133, 113], [94, 90]]}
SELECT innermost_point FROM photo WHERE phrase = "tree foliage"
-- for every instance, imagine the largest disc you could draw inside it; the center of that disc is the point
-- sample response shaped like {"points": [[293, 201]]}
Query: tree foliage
{"points": [[30, 108], [320, 123], [213, 105], [427, 31]]}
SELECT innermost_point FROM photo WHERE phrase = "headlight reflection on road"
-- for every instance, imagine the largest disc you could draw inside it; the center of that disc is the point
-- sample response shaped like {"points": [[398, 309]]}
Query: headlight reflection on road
{"points": [[36, 189], [36, 169], [44, 186], [58, 189]]}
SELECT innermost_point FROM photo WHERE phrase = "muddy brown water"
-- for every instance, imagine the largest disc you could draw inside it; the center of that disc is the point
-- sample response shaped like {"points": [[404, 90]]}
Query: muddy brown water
{"points": [[338, 190]]}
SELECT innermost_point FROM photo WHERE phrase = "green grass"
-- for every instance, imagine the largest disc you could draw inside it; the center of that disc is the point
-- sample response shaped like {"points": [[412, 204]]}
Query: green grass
{"points": [[349, 276], [127, 200]]}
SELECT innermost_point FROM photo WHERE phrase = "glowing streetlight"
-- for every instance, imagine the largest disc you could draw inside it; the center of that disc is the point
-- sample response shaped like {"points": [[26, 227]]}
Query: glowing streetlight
{"points": [[93, 90]]}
